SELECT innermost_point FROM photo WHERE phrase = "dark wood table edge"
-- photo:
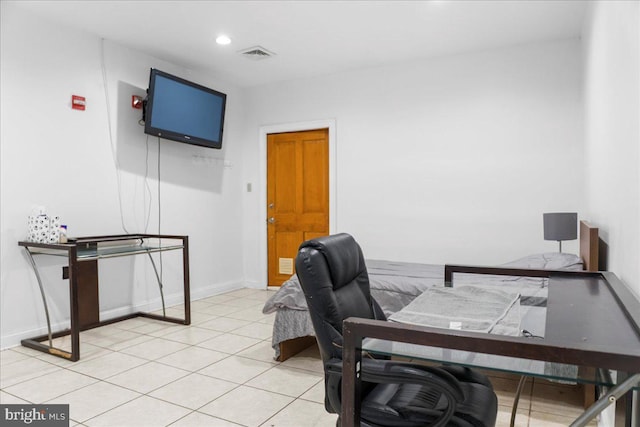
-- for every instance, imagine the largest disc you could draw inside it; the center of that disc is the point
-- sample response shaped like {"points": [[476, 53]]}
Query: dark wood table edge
{"points": [[355, 329]]}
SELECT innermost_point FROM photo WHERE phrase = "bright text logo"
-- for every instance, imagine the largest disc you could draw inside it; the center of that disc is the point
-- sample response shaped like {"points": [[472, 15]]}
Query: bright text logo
{"points": [[35, 415]]}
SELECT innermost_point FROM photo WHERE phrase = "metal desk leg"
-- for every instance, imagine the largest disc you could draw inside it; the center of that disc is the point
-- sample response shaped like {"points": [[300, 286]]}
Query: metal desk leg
{"points": [[36, 342], [610, 397], [516, 400], [44, 298], [160, 286]]}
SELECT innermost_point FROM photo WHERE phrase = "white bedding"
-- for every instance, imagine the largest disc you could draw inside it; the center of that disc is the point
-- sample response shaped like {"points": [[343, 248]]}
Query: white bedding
{"points": [[395, 284], [466, 308]]}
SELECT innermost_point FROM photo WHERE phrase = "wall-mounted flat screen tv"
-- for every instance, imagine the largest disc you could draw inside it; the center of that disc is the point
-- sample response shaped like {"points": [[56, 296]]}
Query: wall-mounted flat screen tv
{"points": [[183, 111]]}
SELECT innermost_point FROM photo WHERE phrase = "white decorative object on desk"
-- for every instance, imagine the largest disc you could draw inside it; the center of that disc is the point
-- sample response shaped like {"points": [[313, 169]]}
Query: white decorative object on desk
{"points": [[42, 227]]}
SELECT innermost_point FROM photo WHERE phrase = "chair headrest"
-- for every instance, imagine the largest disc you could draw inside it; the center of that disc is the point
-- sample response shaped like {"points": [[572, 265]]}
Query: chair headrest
{"points": [[343, 255]]}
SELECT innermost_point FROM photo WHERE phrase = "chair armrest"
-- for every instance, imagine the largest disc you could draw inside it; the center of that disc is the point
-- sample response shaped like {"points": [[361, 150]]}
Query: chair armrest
{"points": [[391, 372], [333, 366]]}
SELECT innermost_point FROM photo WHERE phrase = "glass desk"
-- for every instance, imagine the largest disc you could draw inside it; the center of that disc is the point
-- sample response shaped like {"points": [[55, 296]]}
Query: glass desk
{"points": [[82, 255], [592, 326]]}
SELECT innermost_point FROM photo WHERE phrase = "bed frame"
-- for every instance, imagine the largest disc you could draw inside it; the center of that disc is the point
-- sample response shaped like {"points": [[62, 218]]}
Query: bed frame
{"points": [[589, 244], [589, 241]]}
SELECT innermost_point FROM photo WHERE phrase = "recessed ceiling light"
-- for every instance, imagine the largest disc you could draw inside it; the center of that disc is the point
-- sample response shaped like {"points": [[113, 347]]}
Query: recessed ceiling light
{"points": [[223, 40]]}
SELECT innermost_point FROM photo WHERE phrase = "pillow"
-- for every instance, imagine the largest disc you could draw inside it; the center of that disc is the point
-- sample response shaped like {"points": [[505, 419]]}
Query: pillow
{"points": [[548, 261]]}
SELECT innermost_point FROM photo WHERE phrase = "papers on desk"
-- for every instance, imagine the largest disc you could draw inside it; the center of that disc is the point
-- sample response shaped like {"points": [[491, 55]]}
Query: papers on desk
{"points": [[469, 308]]}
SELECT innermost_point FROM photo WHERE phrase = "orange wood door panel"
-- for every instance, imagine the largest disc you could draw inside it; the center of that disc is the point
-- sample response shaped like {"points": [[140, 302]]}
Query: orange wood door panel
{"points": [[297, 196]]}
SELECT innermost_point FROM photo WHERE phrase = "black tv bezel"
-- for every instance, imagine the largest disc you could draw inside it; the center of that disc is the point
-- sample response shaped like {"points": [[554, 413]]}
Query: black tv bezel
{"points": [[176, 136]]}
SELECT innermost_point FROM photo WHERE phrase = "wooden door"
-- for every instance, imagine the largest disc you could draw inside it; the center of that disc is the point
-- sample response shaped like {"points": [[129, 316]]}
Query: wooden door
{"points": [[297, 196]]}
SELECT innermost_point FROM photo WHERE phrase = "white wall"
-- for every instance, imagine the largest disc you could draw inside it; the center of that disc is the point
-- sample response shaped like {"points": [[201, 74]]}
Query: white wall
{"points": [[612, 137], [445, 160], [451, 159], [66, 160]]}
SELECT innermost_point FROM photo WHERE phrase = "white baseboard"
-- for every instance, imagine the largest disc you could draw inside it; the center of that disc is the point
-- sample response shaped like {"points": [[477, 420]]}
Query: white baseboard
{"points": [[254, 284], [217, 289], [13, 340]]}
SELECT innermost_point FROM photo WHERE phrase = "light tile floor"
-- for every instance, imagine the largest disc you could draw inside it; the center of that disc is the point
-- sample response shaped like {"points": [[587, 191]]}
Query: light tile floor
{"points": [[217, 372]]}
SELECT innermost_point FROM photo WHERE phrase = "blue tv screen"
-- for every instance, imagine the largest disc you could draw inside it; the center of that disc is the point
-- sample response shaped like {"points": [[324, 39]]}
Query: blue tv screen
{"points": [[184, 111]]}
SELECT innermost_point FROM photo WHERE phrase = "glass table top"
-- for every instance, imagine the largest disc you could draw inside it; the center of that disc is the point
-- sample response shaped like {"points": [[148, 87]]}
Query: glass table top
{"points": [[113, 251], [555, 371], [97, 249]]}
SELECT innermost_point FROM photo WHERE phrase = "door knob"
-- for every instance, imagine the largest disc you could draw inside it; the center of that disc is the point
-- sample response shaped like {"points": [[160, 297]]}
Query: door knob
{"points": [[271, 220]]}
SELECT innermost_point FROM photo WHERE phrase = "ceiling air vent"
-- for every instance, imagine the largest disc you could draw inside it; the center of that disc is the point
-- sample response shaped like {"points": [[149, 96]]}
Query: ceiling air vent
{"points": [[256, 53]]}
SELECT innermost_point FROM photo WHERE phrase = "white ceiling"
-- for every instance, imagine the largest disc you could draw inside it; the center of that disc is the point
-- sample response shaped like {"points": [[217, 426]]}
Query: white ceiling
{"points": [[314, 37]]}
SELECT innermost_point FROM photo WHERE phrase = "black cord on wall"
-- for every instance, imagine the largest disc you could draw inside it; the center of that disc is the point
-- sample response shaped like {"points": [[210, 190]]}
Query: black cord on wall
{"points": [[159, 209], [147, 187], [111, 142]]}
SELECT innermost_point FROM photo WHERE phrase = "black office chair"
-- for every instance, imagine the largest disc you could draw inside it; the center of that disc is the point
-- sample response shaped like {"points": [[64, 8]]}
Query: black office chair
{"points": [[335, 282]]}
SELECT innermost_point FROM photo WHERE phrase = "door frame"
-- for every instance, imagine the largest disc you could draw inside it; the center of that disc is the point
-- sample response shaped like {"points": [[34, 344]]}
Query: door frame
{"points": [[263, 131]]}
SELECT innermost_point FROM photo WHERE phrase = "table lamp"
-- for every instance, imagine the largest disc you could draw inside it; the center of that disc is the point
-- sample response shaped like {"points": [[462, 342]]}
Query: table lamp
{"points": [[560, 226]]}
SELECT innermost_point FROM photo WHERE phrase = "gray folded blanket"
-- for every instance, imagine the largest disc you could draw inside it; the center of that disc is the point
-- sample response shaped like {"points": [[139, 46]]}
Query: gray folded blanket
{"points": [[467, 308]]}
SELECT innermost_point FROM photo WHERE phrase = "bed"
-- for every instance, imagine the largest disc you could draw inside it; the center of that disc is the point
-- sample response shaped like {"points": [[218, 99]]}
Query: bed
{"points": [[395, 284]]}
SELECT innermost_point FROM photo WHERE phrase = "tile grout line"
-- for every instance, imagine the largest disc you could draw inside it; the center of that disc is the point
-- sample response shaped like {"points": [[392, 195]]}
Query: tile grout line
{"points": [[253, 317]]}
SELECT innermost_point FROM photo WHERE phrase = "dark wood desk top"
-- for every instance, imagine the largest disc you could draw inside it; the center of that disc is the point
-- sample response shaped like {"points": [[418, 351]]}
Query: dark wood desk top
{"points": [[586, 313], [592, 320]]}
